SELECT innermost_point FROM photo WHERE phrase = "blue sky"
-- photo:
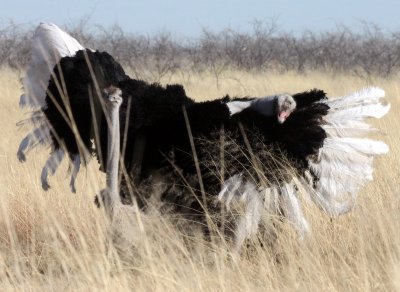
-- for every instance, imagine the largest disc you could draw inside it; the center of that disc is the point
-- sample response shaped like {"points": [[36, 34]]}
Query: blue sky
{"points": [[186, 18]]}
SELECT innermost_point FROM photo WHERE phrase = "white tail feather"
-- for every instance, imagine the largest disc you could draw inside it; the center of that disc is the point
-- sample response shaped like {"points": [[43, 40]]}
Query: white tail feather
{"points": [[333, 208], [359, 112], [36, 118], [76, 163], [356, 145], [50, 167], [250, 219], [271, 200], [348, 128], [40, 135], [49, 45], [364, 96], [241, 193], [344, 163], [292, 209]]}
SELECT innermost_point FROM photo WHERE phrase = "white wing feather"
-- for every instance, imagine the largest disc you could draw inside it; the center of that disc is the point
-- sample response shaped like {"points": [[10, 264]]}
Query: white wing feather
{"points": [[345, 161], [49, 45]]}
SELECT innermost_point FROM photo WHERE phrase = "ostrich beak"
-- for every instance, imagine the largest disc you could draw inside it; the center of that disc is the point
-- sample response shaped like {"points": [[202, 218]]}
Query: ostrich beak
{"points": [[282, 116], [114, 98]]}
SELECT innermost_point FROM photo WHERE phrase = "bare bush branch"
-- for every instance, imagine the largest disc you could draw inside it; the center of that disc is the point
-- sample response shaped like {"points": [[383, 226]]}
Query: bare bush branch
{"points": [[264, 48]]}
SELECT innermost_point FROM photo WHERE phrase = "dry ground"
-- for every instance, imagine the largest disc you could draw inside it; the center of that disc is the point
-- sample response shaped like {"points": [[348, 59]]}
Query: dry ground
{"points": [[56, 240]]}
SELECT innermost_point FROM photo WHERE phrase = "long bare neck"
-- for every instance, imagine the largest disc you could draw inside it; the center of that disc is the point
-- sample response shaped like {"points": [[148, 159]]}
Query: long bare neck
{"points": [[263, 105], [113, 148]]}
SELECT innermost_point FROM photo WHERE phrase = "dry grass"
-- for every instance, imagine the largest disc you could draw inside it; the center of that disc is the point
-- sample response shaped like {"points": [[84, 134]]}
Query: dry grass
{"points": [[56, 240]]}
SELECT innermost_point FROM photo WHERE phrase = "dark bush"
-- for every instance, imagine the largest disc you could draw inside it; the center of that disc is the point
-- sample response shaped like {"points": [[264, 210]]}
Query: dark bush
{"points": [[265, 48]]}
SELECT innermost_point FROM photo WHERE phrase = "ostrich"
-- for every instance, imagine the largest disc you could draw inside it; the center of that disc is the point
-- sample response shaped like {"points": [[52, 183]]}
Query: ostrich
{"points": [[166, 132], [113, 102]]}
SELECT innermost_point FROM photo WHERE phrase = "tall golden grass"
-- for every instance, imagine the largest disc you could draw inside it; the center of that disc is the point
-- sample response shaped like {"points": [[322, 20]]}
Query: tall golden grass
{"points": [[56, 240]]}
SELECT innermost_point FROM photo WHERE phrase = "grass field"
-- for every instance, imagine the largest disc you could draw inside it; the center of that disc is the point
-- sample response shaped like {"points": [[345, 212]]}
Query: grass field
{"points": [[57, 240]]}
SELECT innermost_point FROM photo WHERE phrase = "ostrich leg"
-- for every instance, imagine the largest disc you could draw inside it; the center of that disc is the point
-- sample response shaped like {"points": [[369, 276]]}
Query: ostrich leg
{"points": [[113, 102]]}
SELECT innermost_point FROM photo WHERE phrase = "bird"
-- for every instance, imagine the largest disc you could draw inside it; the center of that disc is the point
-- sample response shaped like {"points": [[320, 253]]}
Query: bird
{"points": [[208, 155]]}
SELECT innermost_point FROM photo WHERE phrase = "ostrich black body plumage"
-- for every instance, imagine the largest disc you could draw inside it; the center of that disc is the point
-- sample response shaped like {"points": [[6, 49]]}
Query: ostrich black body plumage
{"points": [[222, 149], [154, 114]]}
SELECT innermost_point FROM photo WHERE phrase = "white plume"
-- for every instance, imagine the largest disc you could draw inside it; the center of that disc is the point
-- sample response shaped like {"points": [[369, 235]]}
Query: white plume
{"points": [[38, 136], [240, 193], [368, 95], [49, 45], [52, 163], [292, 208], [76, 163], [344, 163]]}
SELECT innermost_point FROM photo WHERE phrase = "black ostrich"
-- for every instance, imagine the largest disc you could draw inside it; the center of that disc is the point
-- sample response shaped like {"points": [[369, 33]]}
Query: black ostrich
{"points": [[226, 150]]}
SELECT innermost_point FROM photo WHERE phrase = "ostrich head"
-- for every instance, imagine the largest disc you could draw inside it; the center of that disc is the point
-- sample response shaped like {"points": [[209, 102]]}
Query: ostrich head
{"points": [[112, 96], [284, 106]]}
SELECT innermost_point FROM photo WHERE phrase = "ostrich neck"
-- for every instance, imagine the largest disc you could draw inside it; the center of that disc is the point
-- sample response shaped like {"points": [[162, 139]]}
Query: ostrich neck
{"points": [[263, 105], [113, 148]]}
